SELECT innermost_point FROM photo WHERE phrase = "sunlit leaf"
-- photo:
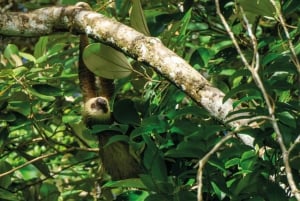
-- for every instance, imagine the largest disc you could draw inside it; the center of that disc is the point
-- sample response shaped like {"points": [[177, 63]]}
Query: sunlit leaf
{"points": [[40, 48]]}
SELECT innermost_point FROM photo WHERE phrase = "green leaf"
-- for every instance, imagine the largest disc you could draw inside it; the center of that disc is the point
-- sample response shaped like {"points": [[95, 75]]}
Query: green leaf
{"points": [[287, 118], [126, 183], [185, 22], [40, 96], [5, 181], [19, 71], [47, 90], [248, 160], [205, 55], [29, 172], [187, 149], [40, 47], [27, 56], [232, 162], [217, 47], [125, 112], [71, 118], [49, 192], [246, 88], [137, 18], [40, 165], [20, 106], [154, 161], [11, 52], [120, 128], [260, 8], [217, 190], [7, 195], [117, 138], [106, 62]]}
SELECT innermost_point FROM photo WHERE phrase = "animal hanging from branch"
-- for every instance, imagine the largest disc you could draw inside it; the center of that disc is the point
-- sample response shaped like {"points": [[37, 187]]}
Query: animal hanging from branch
{"points": [[97, 94]]}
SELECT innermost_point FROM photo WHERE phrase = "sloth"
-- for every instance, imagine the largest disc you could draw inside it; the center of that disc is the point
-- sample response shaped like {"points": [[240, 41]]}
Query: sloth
{"points": [[97, 93]]}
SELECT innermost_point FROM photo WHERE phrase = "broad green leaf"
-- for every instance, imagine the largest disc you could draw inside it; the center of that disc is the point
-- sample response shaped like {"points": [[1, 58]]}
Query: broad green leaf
{"points": [[153, 124], [217, 163], [40, 96], [4, 135], [217, 190], [251, 89], [232, 162], [40, 165], [27, 56], [19, 71], [106, 62], [270, 57], [30, 172], [154, 160], [20, 106], [259, 7], [117, 138], [56, 48], [217, 47], [7, 195], [42, 59], [187, 149], [248, 160], [125, 112], [11, 52], [71, 118], [40, 47], [120, 128], [47, 90], [205, 55], [137, 18], [185, 22], [287, 118], [126, 183], [49, 192], [5, 181]]}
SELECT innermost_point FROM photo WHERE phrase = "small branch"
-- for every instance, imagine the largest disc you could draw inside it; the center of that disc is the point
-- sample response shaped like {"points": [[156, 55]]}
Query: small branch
{"points": [[27, 163], [286, 31], [204, 160], [43, 157]]}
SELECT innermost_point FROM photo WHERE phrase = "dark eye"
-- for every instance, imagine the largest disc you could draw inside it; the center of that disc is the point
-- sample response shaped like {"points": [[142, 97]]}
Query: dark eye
{"points": [[93, 105]]}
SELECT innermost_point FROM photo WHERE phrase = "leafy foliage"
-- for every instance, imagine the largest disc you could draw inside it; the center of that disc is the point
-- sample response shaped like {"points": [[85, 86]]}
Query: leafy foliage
{"points": [[40, 116]]}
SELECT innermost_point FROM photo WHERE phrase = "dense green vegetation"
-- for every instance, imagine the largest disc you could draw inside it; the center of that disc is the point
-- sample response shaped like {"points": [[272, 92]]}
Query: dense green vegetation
{"points": [[47, 154]]}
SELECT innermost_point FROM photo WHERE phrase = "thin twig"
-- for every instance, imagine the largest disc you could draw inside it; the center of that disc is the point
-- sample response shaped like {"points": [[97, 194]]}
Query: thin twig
{"points": [[45, 156], [286, 32], [204, 160], [27, 163]]}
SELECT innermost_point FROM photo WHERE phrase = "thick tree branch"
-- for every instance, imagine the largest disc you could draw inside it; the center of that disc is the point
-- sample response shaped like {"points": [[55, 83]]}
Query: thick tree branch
{"points": [[145, 49]]}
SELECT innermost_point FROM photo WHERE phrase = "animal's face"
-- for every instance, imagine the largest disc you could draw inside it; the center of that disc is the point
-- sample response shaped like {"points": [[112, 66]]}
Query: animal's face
{"points": [[97, 110]]}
